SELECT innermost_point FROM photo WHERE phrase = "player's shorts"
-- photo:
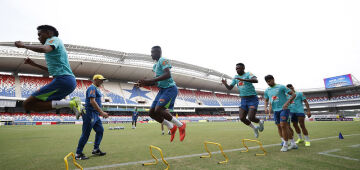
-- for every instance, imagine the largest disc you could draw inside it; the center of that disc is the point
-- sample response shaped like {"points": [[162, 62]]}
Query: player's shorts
{"points": [[282, 116], [166, 97], [294, 116], [57, 89], [249, 102]]}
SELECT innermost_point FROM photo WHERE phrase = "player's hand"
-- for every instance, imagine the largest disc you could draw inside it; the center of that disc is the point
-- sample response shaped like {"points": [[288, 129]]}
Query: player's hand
{"points": [[19, 44], [285, 106], [308, 114], [105, 115], [29, 61], [145, 82], [267, 111], [223, 81]]}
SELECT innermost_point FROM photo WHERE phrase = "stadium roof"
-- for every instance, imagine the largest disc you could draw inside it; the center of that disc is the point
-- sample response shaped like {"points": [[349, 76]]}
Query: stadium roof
{"points": [[115, 65]]}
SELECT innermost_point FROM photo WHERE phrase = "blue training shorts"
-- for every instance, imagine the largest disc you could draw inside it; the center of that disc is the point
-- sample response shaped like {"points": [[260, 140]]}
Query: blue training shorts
{"points": [[166, 98], [294, 116], [282, 116], [250, 102], [57, 89]]}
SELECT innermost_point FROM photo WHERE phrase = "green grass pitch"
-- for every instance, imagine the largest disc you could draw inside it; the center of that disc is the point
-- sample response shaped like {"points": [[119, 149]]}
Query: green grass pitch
{"points": [[44, 147]]}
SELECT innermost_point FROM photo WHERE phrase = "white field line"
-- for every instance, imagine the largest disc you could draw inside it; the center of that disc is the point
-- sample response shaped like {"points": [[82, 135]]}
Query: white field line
{"points": [[198, 155], [327, 153]]}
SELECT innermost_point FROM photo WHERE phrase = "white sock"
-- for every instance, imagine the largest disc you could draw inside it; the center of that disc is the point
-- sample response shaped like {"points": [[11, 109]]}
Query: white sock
{"points": [[282, 139], [176, 122], [162, 131], [57, 104], [252, 126], [285, 144], [168, 124], [292, 142], [299, 135], [307, 138]]}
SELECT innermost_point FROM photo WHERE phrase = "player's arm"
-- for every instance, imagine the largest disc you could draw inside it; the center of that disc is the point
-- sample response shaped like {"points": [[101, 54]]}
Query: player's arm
{"points": [[36, 48], [266, 106], [307, 108], [97, 107], [32, 63], [224, 82], [287, 103], [252, 80], [148, 82]]}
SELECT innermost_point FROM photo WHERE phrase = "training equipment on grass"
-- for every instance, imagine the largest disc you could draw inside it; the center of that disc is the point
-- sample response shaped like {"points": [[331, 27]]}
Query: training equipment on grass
{"points": [[221, 149], [74, 161], [260, 144], [156, 160], [341, 136], [116, 128]]}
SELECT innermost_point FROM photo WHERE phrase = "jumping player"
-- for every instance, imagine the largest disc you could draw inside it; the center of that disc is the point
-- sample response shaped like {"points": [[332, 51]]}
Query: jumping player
{"points": [[249, 100], [51, 95], [165, 99], [298, 115]]}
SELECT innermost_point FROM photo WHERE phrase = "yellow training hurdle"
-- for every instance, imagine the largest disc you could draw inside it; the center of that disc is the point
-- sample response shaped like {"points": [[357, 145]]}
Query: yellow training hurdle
{"points": [[247, 149], [221, 149], [74, 161], [156, 160]]}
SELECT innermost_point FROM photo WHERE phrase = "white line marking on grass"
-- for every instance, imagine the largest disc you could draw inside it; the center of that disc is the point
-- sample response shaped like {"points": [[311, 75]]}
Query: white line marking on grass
{"points": [[327, 153], [355, 146], [198, 155]]}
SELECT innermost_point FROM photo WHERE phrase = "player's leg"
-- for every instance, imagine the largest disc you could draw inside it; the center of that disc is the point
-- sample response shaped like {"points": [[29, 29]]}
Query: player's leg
{"points": [[86, 129], [291, 137], [166, 103], [304, 130], [162, 129], [277, 123], [284, 116], [294, 120], [50, 96], [99, 129], [242, 115]]}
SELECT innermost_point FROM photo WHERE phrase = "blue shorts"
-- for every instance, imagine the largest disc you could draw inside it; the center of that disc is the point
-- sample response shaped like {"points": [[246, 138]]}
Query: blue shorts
{"points": [[294, 116], [250, 102], [282, 116], [57, 89], [166, 98]]}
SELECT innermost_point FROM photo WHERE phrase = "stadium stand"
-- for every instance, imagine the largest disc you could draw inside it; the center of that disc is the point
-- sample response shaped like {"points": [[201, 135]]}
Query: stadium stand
{"points": [[207, 98], [7, 85], [29, 85]]}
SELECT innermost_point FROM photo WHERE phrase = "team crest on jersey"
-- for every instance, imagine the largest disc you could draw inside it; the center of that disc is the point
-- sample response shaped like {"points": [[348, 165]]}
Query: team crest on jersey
{"points": [[165, 62], [51, 41], [274, 98], [161, 100], [241, 83]]}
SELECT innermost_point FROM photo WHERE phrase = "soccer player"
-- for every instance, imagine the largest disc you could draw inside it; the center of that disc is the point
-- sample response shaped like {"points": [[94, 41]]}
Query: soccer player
{"points": [[249, 100], [298, 115], [91, 119], [134, 118], [276, 94], [51, 95], [165, 99]]}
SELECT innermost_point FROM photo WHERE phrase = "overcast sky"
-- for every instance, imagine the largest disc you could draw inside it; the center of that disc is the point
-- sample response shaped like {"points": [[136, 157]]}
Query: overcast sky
{"points": [[299, 42]]}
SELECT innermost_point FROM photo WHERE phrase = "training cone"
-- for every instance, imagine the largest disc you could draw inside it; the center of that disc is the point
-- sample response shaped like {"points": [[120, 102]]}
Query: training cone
{"points": [[341, 136]]}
